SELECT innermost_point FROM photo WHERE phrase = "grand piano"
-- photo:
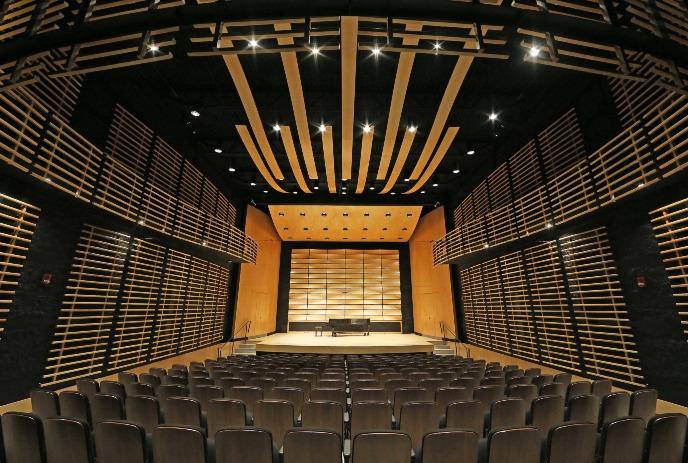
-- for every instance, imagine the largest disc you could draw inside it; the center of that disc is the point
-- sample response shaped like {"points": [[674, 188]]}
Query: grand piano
{"points": [[350, 325]]}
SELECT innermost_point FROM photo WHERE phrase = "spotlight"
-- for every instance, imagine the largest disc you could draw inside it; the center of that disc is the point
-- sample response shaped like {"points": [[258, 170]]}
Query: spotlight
{"points": [[412, 128], [232, 169], [456, 170], [265, 191], [295, 192], [366, 128], [486, 245], [253, 43], [422, 192], [218, 150], [393, 193], [407, 179], [376, 51], [315, 51], [470, 152], [534, 51], [153, 48], [195, 113], [437, 46], [253, 184], [641, 185], [344, 193], [435, 185], [549, 225], [371, 188], [276, 128], [343, 188], [316, 187], [322, 128], [492, 116]]}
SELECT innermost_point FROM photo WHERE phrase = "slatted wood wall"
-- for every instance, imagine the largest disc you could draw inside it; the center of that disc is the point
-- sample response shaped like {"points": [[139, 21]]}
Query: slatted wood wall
{"points": [[17, 223], [558, 303], [130, 302], [670, 224]]}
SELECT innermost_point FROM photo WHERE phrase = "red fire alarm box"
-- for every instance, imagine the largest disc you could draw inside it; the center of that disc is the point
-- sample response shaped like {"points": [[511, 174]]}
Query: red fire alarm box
{"points": [[47, 278], [640, 281]]}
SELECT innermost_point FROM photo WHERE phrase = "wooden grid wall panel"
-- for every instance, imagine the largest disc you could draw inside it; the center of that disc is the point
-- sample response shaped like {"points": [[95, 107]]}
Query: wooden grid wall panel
{"points": [[190, 223], [533, 211], [68, 161], [561, 144], [550, 307], [623, 165], [60, 94], [480, 318], [158, 209], [464, 212], [21, 121], [494, 306], [193, 307], [17, 224], [517, 303], [134, 325], [670, 224], [481, 200], [129, 141], [502, 225], [585, 9], [526, 175], [166, 167], [604, 330], [171, 307], [18, 16], [214, 305], [209, 197], [571, 193], [220, 302], [191, 184], [500, 190], [218, 235], [119, 190], [104, 9], [670, 13], [344, 283], [85, 321], [468, 305], [667, 127]]}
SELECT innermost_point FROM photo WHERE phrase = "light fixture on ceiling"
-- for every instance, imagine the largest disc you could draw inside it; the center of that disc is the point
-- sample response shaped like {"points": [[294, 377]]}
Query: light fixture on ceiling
{"points": [[253, 43], [195, 113], [457, 169], [322, 128], [253, 183], [492, 116], [344, 193], [486, 245], [316, 187], [371, 188], [435, 185], [549, 225], [407, 179], [276, 128], [422, 192], [153, 48], [366, 128], [218, 150], [534, 51], [412, 128], [343, 188], [231, 167], [437, 46], [315, 51], [470, 152], [295, 192], [265, 191], [393, 193], [376, 51]]}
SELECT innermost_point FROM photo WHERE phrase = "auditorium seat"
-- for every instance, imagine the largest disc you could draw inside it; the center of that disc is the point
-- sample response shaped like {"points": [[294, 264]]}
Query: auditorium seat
{"points": [[172, 379], [332, 383], [644, 404], [88, 387], [133, 389], [277, 416], [125, 378], [391, 385], [206, 393], [363, 383], [446, 395], [150, 379], [184, 411], [368, 446], [179, 444], [370, 415], [300, 383], [601, 388], [541, 380], [159, 372], [571, 443], [74, 404], [449, 446], [488, 394], [525, 392], [312, 446], [329, 394], [578, 388], [247, 394], [366, 394], [120, 442], [507, 413], [267, 384], [323, 415], [547, 411], [67, 440], [466, 414], [225, 413], [228, 383], [195, 381], [416, 419], [554, 388], [666, 438], [409, 394], [622, 441], [23, 440], [584, 408], [113, 388], [563, 378], [44, 403], [105, 407], [520, 380], [515, 445], [615, 405], [465, 382], [145, 411], [533, 372]]}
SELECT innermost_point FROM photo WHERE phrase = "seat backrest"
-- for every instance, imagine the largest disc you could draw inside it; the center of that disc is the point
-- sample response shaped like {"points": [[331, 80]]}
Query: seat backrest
{"points": [[465, 382], [547, 411], [572, 443], [44, 403], [432, 384], [507, 413], [417, 376], [170, 390], [515, 445], [67, 440], [364, 382], [179, 444], [488, 394], [446, 395], [450, 446], [391, 385], [22, 435], [601, 388], [145, 411], [614, 405], [126, 377], [295, 395], [200, 381], [185, 411], [564, 378], [225, 413], [332, 383], [644, 404], [120, 441], [533, 372], [541, 380], [367, 447], [409, 394], [242, 445], [417, 419], [86, 386], [265, 383], [519, 380], [329, 394], [205, 394], [585, 408], [493, 381], [247, 394], [466, 414], [370, 415], [526, 392], [367, 394], [159, 372], [578, 388], [74, 404], [174, 378], [622, 441], [666, 438], [113, 388], [301, 383], [227, 383], [312, 446], [323, 415], [105, 407], [150, 379], [554, 388], [277, 416]]}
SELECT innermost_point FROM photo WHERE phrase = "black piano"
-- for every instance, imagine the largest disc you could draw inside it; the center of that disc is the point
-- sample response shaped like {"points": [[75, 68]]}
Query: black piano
{"points": [[350, 325]]}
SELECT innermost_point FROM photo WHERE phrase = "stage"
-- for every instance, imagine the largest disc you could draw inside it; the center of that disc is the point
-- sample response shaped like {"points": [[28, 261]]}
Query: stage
{"points": [[305, 342]]}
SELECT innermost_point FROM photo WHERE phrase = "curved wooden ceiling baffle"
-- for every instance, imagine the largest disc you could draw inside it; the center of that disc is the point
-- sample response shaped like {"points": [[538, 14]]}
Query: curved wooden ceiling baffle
{"points": [[290, 149], [366, 148], [446, 142]]}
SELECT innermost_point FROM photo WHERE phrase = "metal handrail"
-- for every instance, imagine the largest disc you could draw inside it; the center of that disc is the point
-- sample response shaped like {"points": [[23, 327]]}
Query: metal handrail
{"points": [[233, 339], [455, 339]]}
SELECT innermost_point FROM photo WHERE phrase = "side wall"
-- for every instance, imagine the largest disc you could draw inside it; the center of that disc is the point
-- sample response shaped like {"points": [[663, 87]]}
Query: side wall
{"points": [[259, 283], [433, 302]]}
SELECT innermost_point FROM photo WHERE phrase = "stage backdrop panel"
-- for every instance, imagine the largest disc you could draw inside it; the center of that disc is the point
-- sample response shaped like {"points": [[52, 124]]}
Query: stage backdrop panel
{"points": [[344, 283]]}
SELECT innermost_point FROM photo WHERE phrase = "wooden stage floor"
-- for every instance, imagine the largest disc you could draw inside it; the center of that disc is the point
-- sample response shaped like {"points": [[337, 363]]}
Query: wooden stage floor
{"points": [[376, 343]]}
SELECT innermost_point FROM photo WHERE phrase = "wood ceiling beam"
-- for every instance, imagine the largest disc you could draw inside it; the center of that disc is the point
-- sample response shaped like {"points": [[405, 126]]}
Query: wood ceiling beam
{"points": [[246, 138], [328, 151], [288, 140], [364, 163], [349, 44], [441, 152], [404, 150]]}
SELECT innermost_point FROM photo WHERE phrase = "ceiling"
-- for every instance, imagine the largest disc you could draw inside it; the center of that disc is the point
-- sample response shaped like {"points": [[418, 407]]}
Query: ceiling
{"points": [[242, 97], [345, 223]]}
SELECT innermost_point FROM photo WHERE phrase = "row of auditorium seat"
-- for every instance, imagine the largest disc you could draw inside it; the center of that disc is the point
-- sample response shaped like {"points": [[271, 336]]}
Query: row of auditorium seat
{"points": [[279, 392]]}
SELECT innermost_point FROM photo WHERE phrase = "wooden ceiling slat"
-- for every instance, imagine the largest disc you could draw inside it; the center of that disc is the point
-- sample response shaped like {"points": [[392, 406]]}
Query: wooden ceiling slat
{"points": [[255, 156], [404, 150], [349, 41], [441, 152], [288, 140], [401, 81], [328, 151], [291, 71], [366, 148]]}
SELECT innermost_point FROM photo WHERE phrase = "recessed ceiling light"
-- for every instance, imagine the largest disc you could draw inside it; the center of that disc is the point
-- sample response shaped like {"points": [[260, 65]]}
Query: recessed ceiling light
{"points": [[343, 188], [412, 128], [435, 184], [324, 214], [492, 116], [322, 128], [470, 152], [344, 193], [265, 191], [456, 171], [315, 51], [232, 169], [253, 43], [486, 245], [316, 187], [253, 183], [422, 192], [393, 193], [195, 113], [296, 192], [376, 51], [366, 128], [276, 128], [371, 188], [407, 179], [153, 48], [437, 46], [218, 150], [534, 51]]}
